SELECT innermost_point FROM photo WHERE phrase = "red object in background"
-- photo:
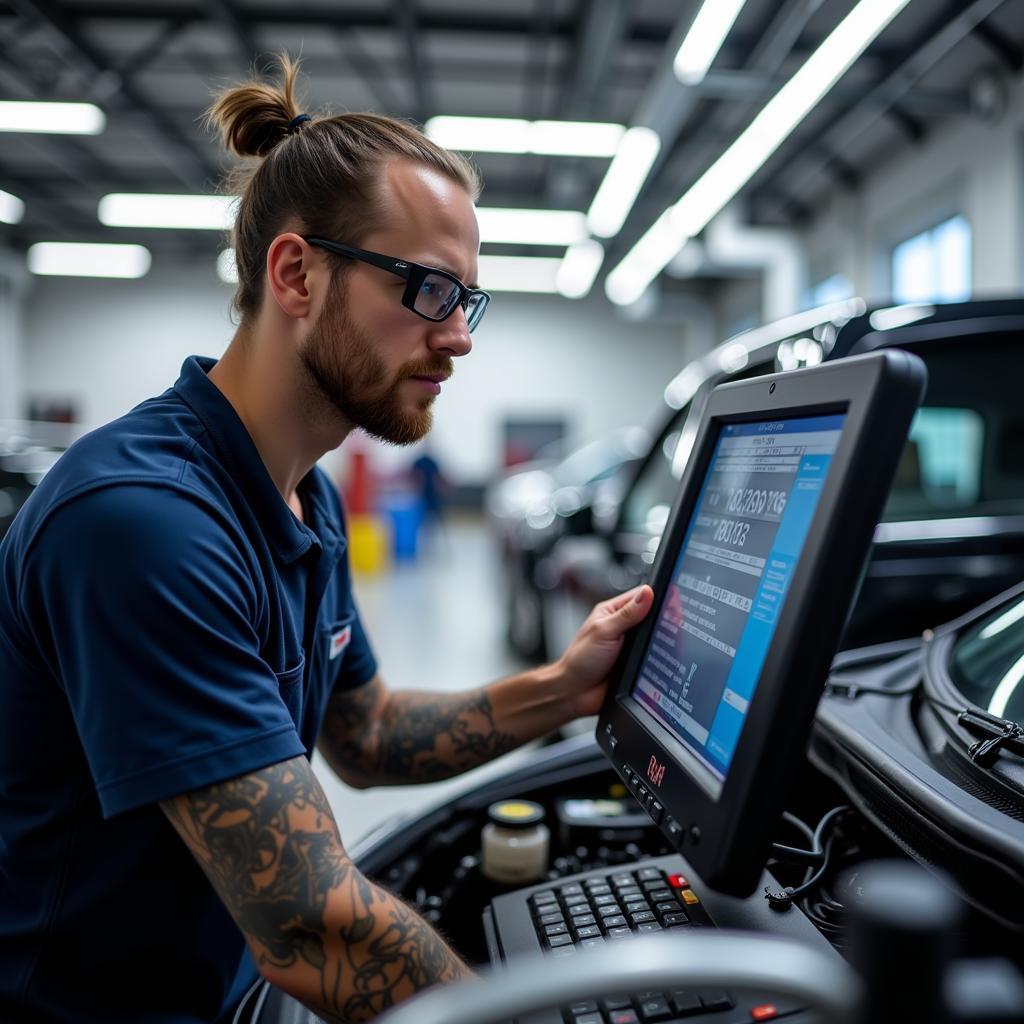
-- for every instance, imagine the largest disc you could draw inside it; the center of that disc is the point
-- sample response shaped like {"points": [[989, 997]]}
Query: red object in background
{"points": [[359, 499]]}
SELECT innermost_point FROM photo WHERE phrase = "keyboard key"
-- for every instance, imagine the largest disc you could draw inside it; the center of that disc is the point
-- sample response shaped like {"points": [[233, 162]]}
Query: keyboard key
{"points": [[563, 951], [586, 1006], [617, 1001], [622, 879], [716, 1000], [659, 895], [689, 897], [588, 931], [640, 917], [668, 907], [597, 887], [543, 899], [615, 922], [622, 1017], [575, 899], [572, 889], [675, 919], [612, 911], [604, 901], [678, 881], [590, 943], [646, 874], [562, 939], [635, 903], [654, 885], [766, 1011], [579, 910], [588, 1018], [552, 918], [652, 1010], [619, 932], [628, 890], [656, 811], [651, 926], [685, 1003], [585, 919], [555, 929]]}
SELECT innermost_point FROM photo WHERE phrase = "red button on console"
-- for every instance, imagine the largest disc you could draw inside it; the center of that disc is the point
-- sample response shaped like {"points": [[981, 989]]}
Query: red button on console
{"points": [[764, 1012], [678, 881]]}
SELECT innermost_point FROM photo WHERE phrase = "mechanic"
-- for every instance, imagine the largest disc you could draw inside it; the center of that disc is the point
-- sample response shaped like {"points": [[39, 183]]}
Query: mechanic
{"points": [[177, 628]]}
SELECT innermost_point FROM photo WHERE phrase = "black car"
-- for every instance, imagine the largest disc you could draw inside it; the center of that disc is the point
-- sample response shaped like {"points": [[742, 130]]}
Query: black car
{"points": [[952, 533], [554, 504]]}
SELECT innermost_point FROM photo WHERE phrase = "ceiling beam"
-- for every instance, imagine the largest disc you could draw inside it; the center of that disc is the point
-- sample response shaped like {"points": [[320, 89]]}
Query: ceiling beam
{"points": [[1009, 52], [224, 13], [949, 26], [407, 19], [373, 75], [180, 152]]}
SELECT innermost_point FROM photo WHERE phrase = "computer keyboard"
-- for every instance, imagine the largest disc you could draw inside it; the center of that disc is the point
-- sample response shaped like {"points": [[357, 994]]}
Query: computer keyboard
{"points": [[613, 906], [608, 905]]}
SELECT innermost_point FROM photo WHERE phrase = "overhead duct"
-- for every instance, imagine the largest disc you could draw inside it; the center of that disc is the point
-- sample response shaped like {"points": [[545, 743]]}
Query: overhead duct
{"points": [[14, 281], [775, 251]]}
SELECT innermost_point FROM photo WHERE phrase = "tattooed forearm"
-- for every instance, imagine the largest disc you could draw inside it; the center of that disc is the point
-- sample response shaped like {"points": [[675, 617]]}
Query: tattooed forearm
{"points": [[411, 737], [319, 929]]}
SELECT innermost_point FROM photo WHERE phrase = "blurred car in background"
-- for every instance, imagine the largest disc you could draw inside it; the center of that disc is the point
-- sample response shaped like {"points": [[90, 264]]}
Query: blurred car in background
{"points": [[952, 534], [27, 450], [533, 511], [527, 507]]}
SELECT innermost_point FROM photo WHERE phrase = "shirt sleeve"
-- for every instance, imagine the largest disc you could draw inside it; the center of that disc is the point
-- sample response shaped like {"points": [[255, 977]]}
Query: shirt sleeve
{"points": [[147, 609]]}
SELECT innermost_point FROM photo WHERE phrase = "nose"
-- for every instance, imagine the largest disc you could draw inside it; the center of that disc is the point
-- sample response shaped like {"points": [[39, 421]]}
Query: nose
{"points": [[451, 337]]}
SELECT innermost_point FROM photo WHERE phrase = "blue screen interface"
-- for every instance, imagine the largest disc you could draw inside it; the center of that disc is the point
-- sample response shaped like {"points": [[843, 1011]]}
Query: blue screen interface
{"points": [[729, 583]]}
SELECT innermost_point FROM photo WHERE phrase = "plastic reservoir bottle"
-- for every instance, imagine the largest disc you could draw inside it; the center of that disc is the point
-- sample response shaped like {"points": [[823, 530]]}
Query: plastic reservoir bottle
{"points": [[515, 842]]}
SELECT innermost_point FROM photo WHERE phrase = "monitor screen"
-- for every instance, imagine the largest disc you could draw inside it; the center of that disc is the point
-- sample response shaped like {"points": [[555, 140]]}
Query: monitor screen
{"points": [[715, 625]]}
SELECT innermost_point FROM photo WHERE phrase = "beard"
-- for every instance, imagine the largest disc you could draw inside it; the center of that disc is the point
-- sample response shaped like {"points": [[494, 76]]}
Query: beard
{"points": [[340, 358]]}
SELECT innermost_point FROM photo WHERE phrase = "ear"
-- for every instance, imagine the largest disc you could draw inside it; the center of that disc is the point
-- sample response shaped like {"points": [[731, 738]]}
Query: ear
{"points": [[294, 276]]}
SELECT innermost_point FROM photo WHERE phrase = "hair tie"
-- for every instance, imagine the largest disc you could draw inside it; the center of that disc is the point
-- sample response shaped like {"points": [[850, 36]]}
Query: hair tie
{"points": [[293, 124]]}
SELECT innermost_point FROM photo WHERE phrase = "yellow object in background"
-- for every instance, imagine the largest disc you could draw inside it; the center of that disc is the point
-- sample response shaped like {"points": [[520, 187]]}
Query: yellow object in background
{"points": [[369, 542]]}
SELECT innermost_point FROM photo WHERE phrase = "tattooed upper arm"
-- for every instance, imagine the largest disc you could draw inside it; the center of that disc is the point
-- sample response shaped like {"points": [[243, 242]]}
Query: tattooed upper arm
{"points": [[318, 928], [350, 736], [270, 847]]}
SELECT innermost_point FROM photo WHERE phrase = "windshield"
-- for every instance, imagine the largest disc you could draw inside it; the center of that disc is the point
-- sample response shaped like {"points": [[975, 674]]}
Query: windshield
{"points": [[988, 662]]}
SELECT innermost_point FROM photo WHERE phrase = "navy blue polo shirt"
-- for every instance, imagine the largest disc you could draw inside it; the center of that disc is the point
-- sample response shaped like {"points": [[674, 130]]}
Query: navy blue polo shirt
{"points": [[166, 623]]}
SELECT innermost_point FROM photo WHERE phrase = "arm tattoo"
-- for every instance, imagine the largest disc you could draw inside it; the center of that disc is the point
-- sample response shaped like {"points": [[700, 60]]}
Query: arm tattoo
{"points": [[412, 737], [271, 849]]}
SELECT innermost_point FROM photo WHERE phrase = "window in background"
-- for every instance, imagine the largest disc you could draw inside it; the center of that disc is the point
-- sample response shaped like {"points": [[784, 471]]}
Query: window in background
{"points": [[934, 266], [941, 465]]}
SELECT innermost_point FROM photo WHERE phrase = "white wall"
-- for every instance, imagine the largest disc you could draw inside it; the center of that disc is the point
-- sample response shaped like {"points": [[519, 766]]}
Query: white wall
{"points": [[969, 167], [107, 345]]}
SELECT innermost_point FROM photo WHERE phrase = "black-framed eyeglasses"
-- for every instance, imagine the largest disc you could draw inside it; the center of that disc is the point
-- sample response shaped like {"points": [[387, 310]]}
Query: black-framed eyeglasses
{"points": [[430, 293]]}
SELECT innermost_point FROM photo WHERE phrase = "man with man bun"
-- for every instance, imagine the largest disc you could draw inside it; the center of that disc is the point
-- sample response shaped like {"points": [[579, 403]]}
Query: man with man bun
{"points": [[177, 628]]}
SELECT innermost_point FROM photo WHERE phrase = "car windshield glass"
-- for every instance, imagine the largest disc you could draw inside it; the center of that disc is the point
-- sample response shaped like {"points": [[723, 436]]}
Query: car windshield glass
{"points": [[649, 501], [987, 666]]}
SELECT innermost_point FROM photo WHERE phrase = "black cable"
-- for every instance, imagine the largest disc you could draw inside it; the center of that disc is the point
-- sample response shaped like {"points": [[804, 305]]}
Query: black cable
{"points": [[820, 854]]}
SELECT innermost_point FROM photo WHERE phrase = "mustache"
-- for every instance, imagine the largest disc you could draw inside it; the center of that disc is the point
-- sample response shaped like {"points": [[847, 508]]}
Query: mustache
{"points": [[445, 368]]}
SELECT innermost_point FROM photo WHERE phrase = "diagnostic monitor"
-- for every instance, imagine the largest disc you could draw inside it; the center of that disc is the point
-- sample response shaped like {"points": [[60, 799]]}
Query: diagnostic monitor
{"points": [[712, 699]]}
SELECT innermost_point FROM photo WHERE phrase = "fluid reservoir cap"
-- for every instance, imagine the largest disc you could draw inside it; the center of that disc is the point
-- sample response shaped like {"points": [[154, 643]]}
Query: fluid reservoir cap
{"points": [[516, 813]]}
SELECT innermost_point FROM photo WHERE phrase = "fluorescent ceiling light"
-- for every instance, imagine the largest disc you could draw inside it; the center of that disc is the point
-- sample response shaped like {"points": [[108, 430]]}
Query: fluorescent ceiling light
{"points": [[142, 210], [772, 126], [12, 209], [227, 269], [84, 259], [579, 268], [642, 264], [519, 273], [531, 227], [705, 38], [513, 135], [622, 183], [51, 118]]}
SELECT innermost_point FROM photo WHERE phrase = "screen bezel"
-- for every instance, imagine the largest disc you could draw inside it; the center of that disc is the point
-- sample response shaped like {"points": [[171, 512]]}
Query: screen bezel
{"points": [[725, 836]]}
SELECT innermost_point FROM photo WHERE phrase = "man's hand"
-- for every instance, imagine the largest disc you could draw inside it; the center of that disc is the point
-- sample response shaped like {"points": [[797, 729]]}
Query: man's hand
{"points": [[583, 669]]}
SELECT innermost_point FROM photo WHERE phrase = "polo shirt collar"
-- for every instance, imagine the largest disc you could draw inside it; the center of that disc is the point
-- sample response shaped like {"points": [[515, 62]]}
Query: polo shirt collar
{"points": [[289, 538]]}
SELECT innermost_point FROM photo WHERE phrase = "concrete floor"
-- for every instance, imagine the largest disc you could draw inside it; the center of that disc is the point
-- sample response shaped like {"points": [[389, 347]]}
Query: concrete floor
{"points": [[435, 624]]}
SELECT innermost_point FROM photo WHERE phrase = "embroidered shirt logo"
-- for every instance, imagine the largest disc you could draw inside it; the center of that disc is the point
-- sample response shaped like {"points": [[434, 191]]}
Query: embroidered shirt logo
{"points": [[339, 641]]}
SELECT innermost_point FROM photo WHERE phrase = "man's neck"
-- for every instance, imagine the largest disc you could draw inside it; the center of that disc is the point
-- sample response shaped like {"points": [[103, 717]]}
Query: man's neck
{"points": [[258, 376]]}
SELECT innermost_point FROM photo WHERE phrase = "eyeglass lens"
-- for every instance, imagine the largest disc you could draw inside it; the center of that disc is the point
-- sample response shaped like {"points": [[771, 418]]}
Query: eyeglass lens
{"points": [[437, 297]]}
